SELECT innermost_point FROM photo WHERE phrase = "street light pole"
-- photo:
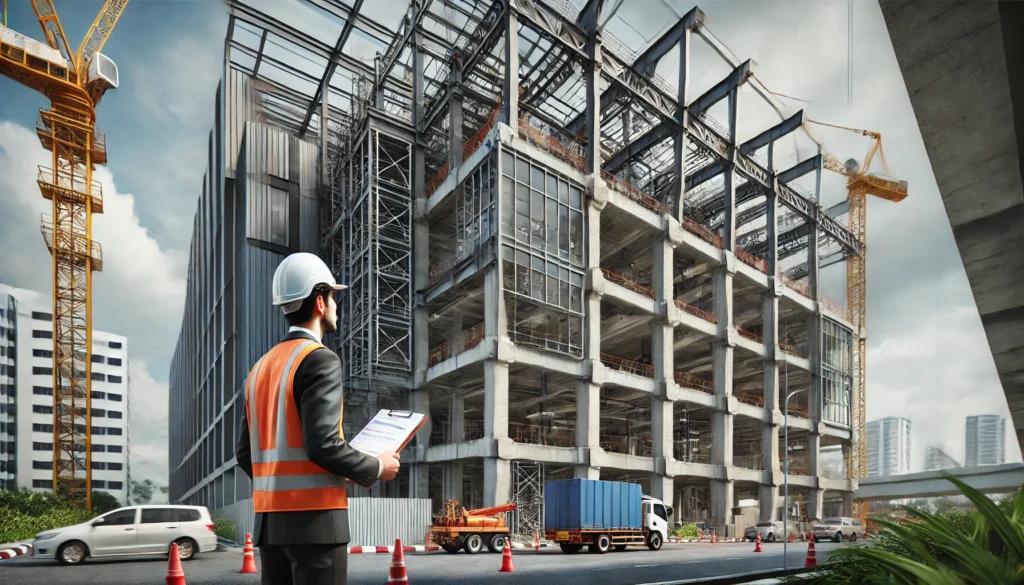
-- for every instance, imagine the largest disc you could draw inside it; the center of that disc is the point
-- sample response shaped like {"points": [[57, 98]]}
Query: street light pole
{"points": [[785, 478]]}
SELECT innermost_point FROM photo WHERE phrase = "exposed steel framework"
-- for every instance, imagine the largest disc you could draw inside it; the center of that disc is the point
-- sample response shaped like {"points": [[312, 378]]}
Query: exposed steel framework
{"points": [[67, 130]]}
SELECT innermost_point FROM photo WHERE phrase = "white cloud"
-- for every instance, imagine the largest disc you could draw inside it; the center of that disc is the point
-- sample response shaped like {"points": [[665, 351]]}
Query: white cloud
{"points": [[140, 292]]}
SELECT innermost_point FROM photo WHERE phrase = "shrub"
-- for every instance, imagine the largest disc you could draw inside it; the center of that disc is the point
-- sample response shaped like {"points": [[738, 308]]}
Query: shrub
{"points": [[225, 528], [24, 513], [948, 548], [687, 532]]}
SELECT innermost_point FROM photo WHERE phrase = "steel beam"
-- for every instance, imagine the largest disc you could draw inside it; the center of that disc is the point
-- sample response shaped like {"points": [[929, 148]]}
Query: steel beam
{"points": [[331, 66], [801, 169], [774, 133], [720, 91], [647, 62]]}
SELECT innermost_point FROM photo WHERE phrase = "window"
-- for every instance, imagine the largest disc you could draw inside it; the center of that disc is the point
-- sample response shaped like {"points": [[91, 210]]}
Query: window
{"points": [[99, 484], [42, 465], [113, 431], [186, 515], [42, 353], [114, 397], [37, 371], [42, 391], [42, 316], [659, 510], [40, 409], [97, 430], [98, 395], [38, 334], [97, 377], [101, 465], [114, 344], [114, 485], [38, 428], [99, 448], [114, 380], [98, 413], [42, 483], [114, 361], [119, 518], [278, 206], [97, 359], [157, 515], [114, 414], [42, 446], [114, 449], [115, 466]]}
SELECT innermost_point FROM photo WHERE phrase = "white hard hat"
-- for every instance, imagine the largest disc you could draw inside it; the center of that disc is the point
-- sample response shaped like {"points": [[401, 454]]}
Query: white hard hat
{"points": [[295, 278]]}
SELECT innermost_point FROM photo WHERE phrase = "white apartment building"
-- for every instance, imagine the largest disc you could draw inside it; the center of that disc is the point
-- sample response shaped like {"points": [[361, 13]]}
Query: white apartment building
{"points": [[986, 440], [935, 458], [29, 371], [889, 446]]}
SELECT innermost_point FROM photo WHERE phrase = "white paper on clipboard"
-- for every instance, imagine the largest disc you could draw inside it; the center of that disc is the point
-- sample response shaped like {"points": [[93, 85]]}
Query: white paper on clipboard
{"points": [[388, 430]]}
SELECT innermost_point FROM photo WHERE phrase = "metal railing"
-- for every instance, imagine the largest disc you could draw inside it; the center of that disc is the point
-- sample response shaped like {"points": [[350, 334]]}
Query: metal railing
{"points": [[464, 341], [747, 397], [796, 285], [628, 366], [690, 381], [749, 335], [629, 190], [754, 461], [550, 144], [626, 445], [793, 349], [530, 338], [627, 283], [702, 232], [696, 312], [441, 268], [751, 260], [540, 435], [468, 149]]}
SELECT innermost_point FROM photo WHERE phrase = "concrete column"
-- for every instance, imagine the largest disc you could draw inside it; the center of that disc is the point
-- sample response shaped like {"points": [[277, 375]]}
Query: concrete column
{"points": [[451, 480], [663, 488], [813, 262], [769, 502], [495, 321], [729, 225], [495, 400], [847, 503], [592, 302], [419, 473], [510, 97], [661, 437], [588, 428], [457, 418], [815, 503], [455, 115], [497, 481], [722, 422], [663, 354], [722, 501], [418, 82]]}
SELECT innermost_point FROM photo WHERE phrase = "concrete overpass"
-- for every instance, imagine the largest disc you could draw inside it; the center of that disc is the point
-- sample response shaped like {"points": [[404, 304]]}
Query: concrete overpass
{"points": [[963, 64], [989, 479]]}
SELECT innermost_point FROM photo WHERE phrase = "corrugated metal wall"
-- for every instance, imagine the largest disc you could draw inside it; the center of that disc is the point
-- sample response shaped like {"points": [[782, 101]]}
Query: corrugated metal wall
{"points": [[372, 521]]}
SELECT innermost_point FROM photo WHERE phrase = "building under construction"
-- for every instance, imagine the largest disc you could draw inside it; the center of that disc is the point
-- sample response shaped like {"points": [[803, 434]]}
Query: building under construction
{"points": [[577, 267]]}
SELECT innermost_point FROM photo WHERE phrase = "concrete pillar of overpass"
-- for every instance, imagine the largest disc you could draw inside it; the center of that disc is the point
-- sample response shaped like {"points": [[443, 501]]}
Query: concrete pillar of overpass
{"points": [[847, 503], [815, 502]]}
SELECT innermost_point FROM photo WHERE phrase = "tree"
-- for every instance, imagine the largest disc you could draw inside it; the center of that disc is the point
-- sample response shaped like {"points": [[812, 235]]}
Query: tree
{"points": [[142, 491], [103, 502]]}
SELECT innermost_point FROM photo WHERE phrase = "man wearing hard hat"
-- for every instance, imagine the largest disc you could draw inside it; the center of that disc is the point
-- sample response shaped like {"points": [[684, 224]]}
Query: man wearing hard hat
{"points": [[292, 445]]}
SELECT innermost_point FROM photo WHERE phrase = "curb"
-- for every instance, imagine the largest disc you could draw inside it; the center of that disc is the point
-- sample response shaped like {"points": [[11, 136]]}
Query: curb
{"points": [[356, 550], [21, 549], [705, 541]]}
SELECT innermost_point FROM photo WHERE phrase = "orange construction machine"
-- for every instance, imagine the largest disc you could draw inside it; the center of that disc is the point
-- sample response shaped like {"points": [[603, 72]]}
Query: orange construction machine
{"points": [[456, 528]]}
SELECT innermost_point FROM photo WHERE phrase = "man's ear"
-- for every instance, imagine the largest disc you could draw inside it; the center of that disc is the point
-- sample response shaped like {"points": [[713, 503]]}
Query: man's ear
{"points": [[321, 305]]}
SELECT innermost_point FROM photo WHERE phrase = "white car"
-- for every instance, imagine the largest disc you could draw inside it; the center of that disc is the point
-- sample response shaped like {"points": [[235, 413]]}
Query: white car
{"points": [[135, 530]]}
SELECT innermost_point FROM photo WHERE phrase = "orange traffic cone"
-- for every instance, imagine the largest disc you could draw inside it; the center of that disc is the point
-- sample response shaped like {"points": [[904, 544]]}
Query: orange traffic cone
{"points": [[700, 535], [789, 538], [397, 573], [536, 540], [175, 576], [757, 543], [506, 559], [248, 556], [812, 559]]}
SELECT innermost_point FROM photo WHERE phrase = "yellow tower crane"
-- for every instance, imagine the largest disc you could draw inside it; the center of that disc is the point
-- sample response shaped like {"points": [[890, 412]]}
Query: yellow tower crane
{"points": [[74, 84], [859, 185]]}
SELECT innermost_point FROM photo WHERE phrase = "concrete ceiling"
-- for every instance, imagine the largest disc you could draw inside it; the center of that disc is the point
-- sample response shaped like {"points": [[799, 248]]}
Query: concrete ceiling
{"points": [[962, 64]]}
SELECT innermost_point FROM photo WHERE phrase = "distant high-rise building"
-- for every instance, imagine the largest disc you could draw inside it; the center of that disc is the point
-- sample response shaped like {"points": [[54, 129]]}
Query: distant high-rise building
{"points": [[986, 440], [26, 398], [935, 458], [888, 442]]}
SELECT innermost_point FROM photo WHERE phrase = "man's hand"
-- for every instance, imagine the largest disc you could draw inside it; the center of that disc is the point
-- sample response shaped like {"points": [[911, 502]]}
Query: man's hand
{"points": [[390, 461]]}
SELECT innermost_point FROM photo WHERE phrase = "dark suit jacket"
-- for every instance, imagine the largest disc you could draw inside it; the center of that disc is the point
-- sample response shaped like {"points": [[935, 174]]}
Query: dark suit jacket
{"points": [[318, 400]]}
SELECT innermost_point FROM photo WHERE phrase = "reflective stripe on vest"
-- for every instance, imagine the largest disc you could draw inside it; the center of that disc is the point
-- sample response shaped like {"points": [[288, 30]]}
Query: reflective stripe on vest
{"points": [[284, 479]]}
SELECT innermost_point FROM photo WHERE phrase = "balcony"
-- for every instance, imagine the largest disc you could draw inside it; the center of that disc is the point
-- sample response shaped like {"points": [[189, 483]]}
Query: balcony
{"points": [[690, 381], [464, 341], [686, 308], [627, 283], [70, 186], [634, 194], [628, 366], [73, 244], [749, 335], [540, 435]]}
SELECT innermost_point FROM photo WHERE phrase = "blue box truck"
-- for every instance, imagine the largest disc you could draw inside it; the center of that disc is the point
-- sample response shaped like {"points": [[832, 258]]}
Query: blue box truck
{"points": [[602, 515]]}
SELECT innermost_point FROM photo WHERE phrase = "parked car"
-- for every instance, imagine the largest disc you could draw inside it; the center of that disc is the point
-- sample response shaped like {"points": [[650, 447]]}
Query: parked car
{"points": [[133, 530], [770, 531], [838, 529]]}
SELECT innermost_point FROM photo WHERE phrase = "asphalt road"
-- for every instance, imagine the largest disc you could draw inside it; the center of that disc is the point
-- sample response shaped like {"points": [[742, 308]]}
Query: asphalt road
{"points": [[631, 567]]}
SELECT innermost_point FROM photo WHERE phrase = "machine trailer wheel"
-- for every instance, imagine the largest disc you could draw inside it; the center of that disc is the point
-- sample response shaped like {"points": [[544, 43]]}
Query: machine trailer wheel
{"points": [[654, 541], [496, 543], [474, 544], [602, 544]]}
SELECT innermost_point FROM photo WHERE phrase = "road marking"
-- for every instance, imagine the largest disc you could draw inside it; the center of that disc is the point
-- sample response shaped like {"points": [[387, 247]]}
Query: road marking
{"points": [[642, 566]]}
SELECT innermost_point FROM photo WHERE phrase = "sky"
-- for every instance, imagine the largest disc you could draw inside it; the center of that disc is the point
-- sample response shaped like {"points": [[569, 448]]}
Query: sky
{"points": [[928, 359]]}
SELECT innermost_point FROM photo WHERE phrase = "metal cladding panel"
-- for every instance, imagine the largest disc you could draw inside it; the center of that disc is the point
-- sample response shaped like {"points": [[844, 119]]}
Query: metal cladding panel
{"points": [[379, 521], [264, 324], [238, 108], [587, 504]]}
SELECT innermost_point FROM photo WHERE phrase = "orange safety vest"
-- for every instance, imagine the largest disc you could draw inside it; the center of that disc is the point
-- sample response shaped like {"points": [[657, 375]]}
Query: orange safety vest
{"points": [[283, 477]]}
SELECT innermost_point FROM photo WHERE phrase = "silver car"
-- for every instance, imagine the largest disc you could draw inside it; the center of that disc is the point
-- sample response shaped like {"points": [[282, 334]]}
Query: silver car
{"points": [[770, 531], [838, 529]]}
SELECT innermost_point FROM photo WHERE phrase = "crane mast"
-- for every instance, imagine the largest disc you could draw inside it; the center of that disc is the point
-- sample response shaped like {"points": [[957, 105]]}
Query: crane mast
{"points": [[68, 131]]}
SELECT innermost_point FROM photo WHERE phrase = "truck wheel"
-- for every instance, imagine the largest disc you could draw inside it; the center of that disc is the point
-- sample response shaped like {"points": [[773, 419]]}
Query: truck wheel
{"points": [[570, 549], [474, 543], [496, 544], [602, 544], [654, 541], [771, 537], [620, 547], [451, 548]]}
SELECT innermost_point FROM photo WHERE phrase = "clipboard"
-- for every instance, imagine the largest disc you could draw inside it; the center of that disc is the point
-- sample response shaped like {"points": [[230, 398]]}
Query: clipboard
{"points": [[388, 430]]}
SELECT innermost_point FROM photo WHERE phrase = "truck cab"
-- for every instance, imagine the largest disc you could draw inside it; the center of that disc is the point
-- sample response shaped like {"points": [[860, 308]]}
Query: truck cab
{"points": [[656, 519]]}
